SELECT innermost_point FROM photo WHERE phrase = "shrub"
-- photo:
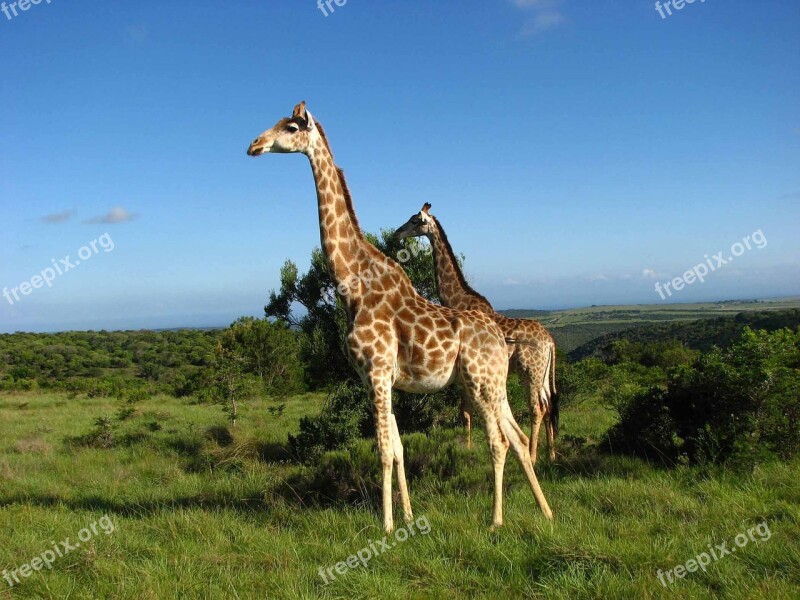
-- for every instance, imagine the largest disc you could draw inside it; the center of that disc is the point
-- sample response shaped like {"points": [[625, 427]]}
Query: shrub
{"points": [[425, 412], [645, 428], [101, 436], [345, 417], [26, 385], [133, 395], [576, 379], [732, 406], [353, 475]]}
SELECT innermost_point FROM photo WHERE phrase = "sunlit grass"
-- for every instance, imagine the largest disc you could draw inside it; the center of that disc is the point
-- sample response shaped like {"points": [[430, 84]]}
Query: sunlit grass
{"points": [[199, 519]]}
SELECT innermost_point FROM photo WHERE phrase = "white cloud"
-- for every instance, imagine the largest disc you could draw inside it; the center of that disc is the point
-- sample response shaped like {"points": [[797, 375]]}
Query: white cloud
{"points": [[114, 216], [649, 273], [59, 217], [136, 34], [542, 15]]}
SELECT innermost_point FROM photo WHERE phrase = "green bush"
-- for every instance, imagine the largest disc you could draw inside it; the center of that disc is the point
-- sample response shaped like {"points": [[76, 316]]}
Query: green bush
{"points": [[425, 412], [734, 406], [102, 435], [576, 379], [26, 385], [352, 475], [347, 416]]}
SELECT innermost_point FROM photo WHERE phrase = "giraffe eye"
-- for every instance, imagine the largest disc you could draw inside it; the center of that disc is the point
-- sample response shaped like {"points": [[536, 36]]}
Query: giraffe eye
{"points": [[291, 128]]}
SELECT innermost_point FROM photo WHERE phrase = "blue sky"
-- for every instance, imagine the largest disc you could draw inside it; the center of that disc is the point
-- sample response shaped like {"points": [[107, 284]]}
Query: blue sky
{"points": [[576, 152]]}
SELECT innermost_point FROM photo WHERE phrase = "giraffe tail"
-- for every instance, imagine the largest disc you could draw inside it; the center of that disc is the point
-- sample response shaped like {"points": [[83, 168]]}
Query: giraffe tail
{"points": [[554, 406]]}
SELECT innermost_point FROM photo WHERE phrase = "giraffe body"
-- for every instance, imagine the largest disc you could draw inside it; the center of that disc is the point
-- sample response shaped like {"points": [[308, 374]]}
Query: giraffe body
{"points": [[533, 354], [395, 337]]}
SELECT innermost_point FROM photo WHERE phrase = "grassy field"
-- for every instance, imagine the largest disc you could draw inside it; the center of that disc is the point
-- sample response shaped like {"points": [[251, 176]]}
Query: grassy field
{"points": [[197, 513]]}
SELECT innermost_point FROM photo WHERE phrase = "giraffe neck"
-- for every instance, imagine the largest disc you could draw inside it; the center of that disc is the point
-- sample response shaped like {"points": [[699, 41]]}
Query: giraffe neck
{"points": [[343, 243], [454, 291]]}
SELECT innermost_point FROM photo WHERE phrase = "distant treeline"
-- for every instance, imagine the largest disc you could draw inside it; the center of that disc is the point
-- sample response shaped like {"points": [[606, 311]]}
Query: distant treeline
{"points": [[525, 313], [702, 334], [81, 360]]}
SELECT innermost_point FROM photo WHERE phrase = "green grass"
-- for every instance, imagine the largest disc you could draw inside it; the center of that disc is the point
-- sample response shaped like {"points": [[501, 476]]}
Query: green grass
{"points": [[198, 519]]}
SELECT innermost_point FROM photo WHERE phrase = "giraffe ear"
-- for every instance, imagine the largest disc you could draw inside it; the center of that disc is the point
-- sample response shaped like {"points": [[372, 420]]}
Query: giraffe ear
{"points": [[309, 121], [300, 112], [426, 207]]}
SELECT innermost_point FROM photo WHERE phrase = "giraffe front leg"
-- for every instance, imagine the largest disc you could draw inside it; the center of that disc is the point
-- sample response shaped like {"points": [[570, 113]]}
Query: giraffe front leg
{"points": [[381, 397]]}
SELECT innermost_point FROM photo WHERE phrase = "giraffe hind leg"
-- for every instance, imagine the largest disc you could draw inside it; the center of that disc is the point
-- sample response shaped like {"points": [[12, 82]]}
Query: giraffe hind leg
{"points": [[536, 424], [397, 445], [467, 416], [551, 442], [528, 382], [518, 442], [498, 447]]}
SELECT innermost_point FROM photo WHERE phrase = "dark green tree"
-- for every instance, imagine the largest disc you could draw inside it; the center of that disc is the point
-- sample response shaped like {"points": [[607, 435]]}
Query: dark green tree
{"points": [[269, 351]]}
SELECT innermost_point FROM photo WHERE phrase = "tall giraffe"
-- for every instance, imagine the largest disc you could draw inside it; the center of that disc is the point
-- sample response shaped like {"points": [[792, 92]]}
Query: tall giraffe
{"points": [[533, 355], [395, 337]]}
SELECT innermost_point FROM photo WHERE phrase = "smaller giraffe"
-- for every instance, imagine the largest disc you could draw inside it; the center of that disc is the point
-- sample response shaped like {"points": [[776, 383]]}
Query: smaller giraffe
{"points": [[533, 350]]}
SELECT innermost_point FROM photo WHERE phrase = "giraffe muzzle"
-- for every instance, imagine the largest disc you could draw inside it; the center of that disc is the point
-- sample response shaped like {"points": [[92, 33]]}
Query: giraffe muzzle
{"points": [[254, 150], [404, 232]]}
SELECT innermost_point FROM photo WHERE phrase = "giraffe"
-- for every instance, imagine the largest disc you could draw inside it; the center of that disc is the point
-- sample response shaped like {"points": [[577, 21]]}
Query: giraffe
{"points": [[533, 355], [396, 338]]}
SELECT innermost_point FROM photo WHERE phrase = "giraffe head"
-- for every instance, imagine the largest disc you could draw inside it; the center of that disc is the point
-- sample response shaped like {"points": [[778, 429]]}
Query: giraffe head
{"points": [[290, 134], [418, 225]]}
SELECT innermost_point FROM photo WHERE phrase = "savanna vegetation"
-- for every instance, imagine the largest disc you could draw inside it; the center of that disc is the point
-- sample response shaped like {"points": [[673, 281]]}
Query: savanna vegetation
{"points": [[239, 462]]}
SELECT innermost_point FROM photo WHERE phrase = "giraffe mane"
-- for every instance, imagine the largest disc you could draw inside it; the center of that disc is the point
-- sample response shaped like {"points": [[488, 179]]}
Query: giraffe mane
{"points": [[459, 273], [348, 199]]}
